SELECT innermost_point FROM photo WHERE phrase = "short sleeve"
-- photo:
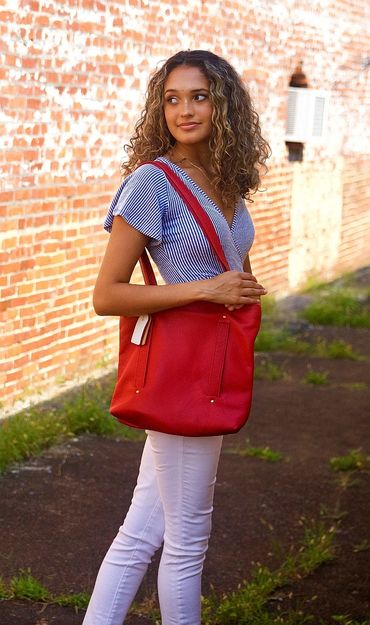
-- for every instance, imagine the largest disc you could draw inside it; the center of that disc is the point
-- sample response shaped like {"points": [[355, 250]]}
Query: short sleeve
{"points": [[141, 200]]}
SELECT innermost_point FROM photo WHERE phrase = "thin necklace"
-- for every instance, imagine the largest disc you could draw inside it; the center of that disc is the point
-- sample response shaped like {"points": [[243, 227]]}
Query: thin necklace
{"points": [[201, 169]]}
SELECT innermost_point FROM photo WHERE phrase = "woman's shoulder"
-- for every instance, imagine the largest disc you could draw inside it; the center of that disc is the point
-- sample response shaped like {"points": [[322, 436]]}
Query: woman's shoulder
{"points": [[147, 174]]}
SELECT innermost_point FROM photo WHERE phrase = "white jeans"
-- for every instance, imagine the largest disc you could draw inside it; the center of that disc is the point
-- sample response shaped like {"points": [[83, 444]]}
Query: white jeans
{"points": [[172, 503]]}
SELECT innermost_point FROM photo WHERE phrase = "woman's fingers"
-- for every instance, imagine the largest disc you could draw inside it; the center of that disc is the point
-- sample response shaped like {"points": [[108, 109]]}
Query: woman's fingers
{"points": [[235, 289]]}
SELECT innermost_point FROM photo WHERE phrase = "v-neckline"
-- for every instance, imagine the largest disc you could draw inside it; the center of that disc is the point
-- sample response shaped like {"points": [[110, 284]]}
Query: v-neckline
{"points": [[231, 225]]}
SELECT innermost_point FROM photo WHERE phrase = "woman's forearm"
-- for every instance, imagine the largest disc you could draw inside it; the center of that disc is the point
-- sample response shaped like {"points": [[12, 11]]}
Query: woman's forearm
{"points": [[231, 288], [133, 300]]}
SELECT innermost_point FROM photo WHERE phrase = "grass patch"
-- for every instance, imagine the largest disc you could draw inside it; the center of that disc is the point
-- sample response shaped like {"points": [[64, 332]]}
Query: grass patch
{"points": [[364, 545], [316, 377], [79, 600], [4, 593], [248, 605], [355, 460], [86, 410], [346, 481], [265, 453], [24, 586], [148, 607], [355, 386], [313, 284], [270, 339], [269, 306], [339, 308], [337, 349], [347, 620], [268, 370], [274, 339]]}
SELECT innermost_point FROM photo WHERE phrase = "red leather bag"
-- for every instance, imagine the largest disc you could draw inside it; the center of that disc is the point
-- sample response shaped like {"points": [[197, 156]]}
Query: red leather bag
{"points": [[189, 370]]}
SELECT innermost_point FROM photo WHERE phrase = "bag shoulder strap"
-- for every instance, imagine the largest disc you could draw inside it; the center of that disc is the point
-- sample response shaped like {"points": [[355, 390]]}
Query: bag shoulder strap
{"points": [[199, 215]]}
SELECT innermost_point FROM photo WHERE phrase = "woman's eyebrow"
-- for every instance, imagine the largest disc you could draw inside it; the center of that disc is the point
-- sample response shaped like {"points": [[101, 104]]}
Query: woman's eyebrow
{"points": [[192, 90]]}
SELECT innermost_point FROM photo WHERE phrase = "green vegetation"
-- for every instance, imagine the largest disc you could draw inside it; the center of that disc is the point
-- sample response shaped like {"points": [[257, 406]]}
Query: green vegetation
{"points": [[248, 604], [355, 460], [336, 349], [79, 600], [24, 586], [355, 386], [4, 594], [364, 545], [269, 306], [345, 481], [314, 284], [316, 377], [268, 370], [347, 620], [29, 432], [148, 607], [273, 339], [339, 308], [265, 453]]}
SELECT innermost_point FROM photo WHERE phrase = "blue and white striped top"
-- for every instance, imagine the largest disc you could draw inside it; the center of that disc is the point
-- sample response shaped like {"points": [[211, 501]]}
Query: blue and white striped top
{"points": [[182, 253]]}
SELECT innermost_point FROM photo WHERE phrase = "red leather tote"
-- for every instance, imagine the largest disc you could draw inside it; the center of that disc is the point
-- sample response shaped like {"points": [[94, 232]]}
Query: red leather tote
{"points": [[187, 370]]}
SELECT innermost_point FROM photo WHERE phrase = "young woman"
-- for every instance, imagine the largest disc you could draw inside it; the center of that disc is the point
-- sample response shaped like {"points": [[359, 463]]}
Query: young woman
{"points": [[199, 120]]}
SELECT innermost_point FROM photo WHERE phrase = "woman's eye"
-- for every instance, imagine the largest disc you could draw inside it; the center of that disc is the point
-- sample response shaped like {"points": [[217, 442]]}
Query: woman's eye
{"points": [[200, 97], [171, 100]]}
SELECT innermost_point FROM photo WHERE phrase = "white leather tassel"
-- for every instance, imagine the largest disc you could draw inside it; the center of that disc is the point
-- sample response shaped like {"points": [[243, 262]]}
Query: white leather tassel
{"points": [[141, 330]]}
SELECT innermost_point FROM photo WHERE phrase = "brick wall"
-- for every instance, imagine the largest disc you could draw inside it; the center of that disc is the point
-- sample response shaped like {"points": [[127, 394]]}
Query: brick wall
{"points": [[72, 79]]}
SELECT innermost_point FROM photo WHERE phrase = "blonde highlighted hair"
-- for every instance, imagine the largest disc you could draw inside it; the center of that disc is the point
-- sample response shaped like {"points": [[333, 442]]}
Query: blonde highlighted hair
{"points": [[236, 146]]}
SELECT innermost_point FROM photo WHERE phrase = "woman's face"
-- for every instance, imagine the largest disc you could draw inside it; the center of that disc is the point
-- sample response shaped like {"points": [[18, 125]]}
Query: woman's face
{"points": [[187, 105]]}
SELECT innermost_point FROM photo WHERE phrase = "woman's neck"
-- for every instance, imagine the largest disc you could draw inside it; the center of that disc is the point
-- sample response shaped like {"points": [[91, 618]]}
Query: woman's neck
{"points": [[198, 155]]}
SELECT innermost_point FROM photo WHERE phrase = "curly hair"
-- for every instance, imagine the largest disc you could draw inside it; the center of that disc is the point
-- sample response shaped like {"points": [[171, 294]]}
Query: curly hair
{"points": [[237, 148]]}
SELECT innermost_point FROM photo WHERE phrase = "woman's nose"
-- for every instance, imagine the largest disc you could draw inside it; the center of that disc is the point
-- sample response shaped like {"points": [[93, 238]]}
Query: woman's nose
{"points": [[186, 108]]}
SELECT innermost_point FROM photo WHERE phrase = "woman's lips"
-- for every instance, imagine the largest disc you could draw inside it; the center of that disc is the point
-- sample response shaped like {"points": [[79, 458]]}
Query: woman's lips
{"points": [[189, 126]]}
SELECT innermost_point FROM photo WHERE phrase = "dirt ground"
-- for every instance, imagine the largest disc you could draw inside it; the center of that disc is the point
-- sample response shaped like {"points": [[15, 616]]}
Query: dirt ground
{"points": [[61, 510]]}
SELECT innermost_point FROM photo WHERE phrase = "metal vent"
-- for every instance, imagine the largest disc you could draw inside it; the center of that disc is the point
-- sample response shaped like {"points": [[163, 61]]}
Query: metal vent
{"points": [[307, 114]]}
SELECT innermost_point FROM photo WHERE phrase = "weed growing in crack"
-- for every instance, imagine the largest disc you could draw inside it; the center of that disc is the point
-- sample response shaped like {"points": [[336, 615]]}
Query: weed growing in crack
{"points": [[337, 349], [364, 545], [78, 600], [345, 480], [355, 386], [316, 377], [4, 593], [268, 370], [347, 620], [25, 586], [355, 460], [265, 453], [248, 604]]}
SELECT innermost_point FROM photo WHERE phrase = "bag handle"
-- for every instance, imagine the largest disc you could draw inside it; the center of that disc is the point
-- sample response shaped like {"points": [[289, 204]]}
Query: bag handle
{"points": [[199, 215]]}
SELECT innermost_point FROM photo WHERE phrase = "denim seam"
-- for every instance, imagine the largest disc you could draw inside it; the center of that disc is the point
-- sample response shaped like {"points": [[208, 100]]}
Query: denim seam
{"points": [[124, 574]]}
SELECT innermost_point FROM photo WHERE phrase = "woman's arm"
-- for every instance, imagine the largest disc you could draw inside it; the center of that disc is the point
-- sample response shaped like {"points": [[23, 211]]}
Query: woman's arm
{"points": [[247, 264], [113, 295]]}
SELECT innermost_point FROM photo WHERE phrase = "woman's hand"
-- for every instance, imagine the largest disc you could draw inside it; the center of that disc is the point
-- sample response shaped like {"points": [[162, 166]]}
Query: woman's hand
{"points": [[234, 289]]}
